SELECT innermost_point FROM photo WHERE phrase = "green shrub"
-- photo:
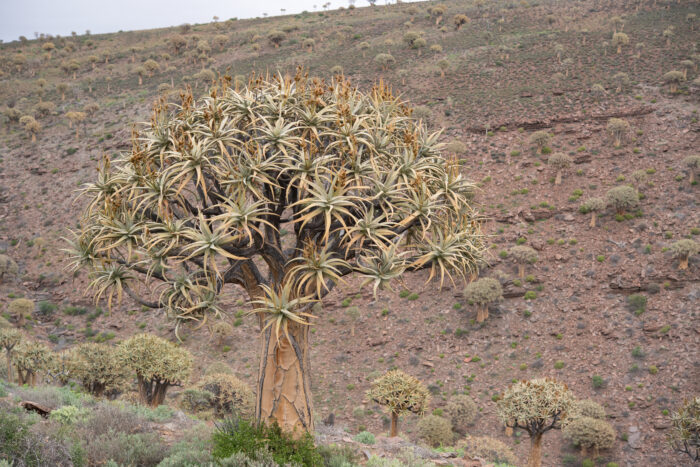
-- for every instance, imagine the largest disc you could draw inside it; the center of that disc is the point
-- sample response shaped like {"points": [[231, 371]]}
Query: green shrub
{"points": [[235, 435], [588, 408], [435, 431], [335, 455], [137, 449], [365, 437], [637, 303], [461, 411], [193, 451], [68, 414], [218, 368]]}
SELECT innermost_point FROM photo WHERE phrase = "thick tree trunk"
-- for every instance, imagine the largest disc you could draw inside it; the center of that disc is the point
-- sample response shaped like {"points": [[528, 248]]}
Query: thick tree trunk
{"points": [[9, 366], [482, 313], [683, 263], [593, 219], [394, 425], [284, 382], [557, 178], [521, 271], [535, 458]]}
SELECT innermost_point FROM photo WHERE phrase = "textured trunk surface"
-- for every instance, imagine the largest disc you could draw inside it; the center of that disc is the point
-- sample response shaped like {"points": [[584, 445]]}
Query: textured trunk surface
{"points": [[284, 383], [482, 313], [535, 459], [683, 263], [557, 179], [9, 367], [521, 271], [593, 219], [394, 425]]}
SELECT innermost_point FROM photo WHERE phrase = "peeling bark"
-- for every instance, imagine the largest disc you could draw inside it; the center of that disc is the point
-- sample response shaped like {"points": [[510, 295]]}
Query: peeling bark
{"points": [[284, 386], [535, 457]]}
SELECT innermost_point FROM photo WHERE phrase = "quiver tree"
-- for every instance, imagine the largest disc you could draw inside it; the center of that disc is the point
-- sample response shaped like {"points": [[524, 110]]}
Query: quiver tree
{"points": [[308, 44], [618, 129], [444, 66], [385, 61], [220, 41], [199, 203], [693, 164], [691, 18], [276, 38], [177, 43], [673, 78], [622, 198], [400, 393], [140, 71], [683, 250], [158, 364], [96, 366], [621, 80], [617, 23], [668, 34], [74, 118], [31, 126], [482, 293], [437, 12], [220, 331], [687, 65], [151, 67], [460, 20], [620, 39], [9, 339], [48, 48], [363, 47], [20, 308], [62, 88], [29, 358], [560, 162], [594, 206], [535, 406], [540, 139], [523, 255], [57, 369], [684, 436]]}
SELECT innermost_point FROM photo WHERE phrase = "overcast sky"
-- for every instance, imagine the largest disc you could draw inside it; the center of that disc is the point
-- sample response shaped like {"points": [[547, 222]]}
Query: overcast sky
{"points": [[25, 17]]}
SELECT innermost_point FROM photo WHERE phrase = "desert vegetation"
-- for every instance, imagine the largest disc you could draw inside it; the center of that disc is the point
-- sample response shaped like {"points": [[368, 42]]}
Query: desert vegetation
{"points": [[378, 235]]}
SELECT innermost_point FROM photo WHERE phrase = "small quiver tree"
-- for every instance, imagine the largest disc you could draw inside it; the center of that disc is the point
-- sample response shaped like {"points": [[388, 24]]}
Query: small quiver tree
{"points": [[385, 61], [400, 393], [540, 139], [220, 331], [620, 39], [594, 206], [693, 164], [97, 367], [20, 308], [560, 162], [673, 78], [74, 118], [62, 88], [589, 433], [276, 38], [687, 65], [140, 71], [199, 204], [622, 198], [535, 406], [31, 126], [158, 364], [618, 129], [9, 339], [684, 435], [461, 411], [308, 44], [482, 293], [460, 20], [523, 255], [444, 65], [29, 358], [683, 250]]}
